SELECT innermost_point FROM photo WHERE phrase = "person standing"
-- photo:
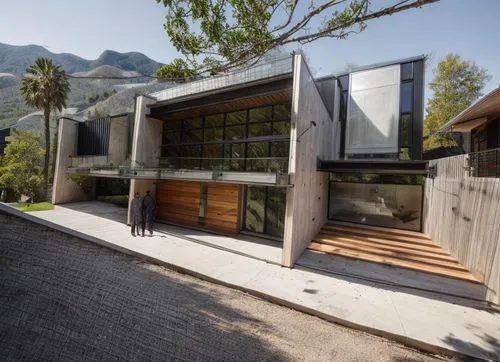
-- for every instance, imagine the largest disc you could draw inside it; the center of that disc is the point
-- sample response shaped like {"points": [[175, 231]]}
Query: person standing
{"points": [[136, 208], [149, 208]]}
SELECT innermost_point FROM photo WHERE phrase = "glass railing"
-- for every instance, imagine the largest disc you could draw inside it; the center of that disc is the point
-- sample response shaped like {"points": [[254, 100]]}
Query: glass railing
{"points": [[261, 164], [275, 67]]}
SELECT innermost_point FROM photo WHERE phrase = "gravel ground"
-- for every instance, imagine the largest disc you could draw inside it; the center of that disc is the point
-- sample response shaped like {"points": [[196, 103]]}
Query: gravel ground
{"points": [[62, 298]]}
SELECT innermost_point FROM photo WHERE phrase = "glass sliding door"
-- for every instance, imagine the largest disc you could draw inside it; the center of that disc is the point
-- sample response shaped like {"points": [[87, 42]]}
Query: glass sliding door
{"points": [[265, 210]]}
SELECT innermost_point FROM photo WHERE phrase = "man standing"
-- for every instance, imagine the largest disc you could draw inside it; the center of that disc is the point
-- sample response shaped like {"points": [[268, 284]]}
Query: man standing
{"points": [[149, 208], [136, 208]]}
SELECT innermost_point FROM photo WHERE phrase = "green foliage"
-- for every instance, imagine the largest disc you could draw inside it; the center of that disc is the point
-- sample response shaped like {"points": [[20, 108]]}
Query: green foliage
{"points": [[119, 200], [46, 88], [84, 181], [218, 35], [39, 206], [20, 166], [456, 85], [96, 113]]}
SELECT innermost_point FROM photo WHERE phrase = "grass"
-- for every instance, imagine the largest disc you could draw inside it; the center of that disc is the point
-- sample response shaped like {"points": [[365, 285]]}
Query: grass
{"points": [[38, 206]]}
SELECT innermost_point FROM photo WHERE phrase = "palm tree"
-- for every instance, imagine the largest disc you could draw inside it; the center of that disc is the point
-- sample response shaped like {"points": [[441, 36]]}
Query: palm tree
{"points": [[46, 87]]}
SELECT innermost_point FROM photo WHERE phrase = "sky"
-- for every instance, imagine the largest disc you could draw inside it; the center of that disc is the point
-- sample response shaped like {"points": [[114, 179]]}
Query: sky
{"points": [[88, 27]]}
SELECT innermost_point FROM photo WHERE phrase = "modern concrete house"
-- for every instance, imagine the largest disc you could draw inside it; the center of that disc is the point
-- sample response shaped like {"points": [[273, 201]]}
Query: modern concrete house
{"points": [[265, 151]]}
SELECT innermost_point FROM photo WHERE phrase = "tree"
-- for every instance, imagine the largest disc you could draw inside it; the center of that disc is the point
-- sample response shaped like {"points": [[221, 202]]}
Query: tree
{"points": [[95, 113], [219, 35], [20, 168], [45, 87], [456, 85]]}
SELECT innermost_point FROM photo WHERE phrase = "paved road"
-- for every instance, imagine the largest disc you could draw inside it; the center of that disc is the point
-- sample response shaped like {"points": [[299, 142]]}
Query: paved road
{"points": [[62, 298]]}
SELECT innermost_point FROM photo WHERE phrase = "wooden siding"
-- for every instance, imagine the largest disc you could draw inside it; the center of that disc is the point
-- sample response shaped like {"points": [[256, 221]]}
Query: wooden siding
{"points": [[222, 208], [462, 215], [179, 203]]}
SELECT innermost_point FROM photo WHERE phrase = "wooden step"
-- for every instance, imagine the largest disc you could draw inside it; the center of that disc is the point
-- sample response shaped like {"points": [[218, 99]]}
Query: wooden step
{"points": [[384, 242], [453, 264], [435, 253], [382, 229], [413, 265], [377, 234]]}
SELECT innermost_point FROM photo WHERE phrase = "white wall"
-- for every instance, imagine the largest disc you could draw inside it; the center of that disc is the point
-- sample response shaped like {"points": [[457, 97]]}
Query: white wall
{"points": [[64, 190], [146, 147], [462, 214], [306, 201]]}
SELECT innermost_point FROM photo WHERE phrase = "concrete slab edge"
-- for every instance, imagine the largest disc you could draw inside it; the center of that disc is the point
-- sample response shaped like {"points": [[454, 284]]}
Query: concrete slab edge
{"points": [[409, 342]]}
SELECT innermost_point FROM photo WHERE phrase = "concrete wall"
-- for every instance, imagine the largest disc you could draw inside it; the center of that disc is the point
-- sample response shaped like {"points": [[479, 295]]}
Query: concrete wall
{"points": [[306, 201], [462, 214], [118, 140], [64, 190], [146, 147]]}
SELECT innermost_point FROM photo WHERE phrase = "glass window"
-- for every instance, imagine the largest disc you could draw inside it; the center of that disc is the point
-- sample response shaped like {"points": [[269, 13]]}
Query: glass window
{"points": [[275, 212], [192, 136], [212, 151], [171, 137], [260, 114], [406, 130], [407, 71], [235, 132], [259, 129], [255, 153], [282, 111], [193, 123], [281, 128], [236, 117], [170, 151], [213, 134], [236, 150], [172, 126], [344, 82], [255, 208], [216, 120], [406, 97], [190, 151]]}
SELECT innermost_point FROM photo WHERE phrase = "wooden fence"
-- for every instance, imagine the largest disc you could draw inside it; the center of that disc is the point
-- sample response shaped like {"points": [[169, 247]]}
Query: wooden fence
{"points": [[462, 214]]}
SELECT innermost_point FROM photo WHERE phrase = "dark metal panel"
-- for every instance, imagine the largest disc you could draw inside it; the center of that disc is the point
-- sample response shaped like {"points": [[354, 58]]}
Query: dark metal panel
{"points": [[374, 166], [418, 109], [4, 133], [93, 137]]}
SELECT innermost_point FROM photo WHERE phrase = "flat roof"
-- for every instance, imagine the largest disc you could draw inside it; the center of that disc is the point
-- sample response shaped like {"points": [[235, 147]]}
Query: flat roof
{"points": [[483, 107]]}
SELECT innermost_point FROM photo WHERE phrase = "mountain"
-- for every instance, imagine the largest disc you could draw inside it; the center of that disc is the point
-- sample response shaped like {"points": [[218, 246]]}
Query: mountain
{"points": [[86, 90], [15, 59]]}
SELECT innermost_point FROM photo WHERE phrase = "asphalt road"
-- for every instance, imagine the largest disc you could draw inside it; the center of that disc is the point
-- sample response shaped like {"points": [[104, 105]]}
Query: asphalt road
{"points": [[62, 298]]}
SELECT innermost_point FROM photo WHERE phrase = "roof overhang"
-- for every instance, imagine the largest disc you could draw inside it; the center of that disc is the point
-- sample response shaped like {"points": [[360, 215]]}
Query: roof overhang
{"points": [[486, 108], [395, 167]]}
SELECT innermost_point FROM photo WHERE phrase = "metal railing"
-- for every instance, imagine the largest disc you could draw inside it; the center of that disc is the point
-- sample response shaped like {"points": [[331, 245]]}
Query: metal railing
{"points": [[485, 163]]}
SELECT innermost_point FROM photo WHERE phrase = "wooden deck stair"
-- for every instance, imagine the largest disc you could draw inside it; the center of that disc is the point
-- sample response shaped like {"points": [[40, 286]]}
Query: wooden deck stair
{"points": [[399, 248]]}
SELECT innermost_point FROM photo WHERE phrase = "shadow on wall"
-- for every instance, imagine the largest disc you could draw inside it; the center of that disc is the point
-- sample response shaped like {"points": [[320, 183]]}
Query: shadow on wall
{"points": [[106, 304], [490, 349]]}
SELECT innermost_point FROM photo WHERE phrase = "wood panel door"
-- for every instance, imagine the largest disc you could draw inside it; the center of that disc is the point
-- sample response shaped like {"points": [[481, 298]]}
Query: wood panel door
{"points": [[178, 202], [222, 208]]}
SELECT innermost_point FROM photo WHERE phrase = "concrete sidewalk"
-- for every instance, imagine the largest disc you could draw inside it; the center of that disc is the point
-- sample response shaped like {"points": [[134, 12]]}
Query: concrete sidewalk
{"points": [[430, 322]]}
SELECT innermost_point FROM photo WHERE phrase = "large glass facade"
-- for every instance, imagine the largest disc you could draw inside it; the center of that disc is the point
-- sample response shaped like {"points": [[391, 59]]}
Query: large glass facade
{"points": [[255, 139], [265, 210], [377, 200]]}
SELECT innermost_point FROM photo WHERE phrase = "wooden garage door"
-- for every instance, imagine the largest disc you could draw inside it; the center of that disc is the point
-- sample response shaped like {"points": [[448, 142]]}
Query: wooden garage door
{"points": [[178, 202], [222, 208]]}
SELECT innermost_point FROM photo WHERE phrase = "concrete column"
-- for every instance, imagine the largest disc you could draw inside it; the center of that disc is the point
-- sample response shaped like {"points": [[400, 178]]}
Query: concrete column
{"points": [[307, 200], [118, 140], [65, 190], [146, 147]]}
